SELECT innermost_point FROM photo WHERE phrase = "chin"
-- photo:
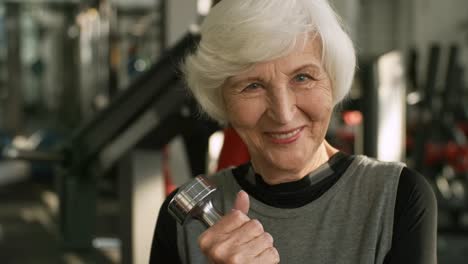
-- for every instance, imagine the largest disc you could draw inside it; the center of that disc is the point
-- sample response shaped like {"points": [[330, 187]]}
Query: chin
{"points": [[294, 160], [289, 162]]}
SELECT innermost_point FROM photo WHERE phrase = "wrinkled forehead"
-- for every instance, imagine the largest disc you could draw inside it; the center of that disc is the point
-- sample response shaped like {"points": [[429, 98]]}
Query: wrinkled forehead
{"points": [[304, 53]]}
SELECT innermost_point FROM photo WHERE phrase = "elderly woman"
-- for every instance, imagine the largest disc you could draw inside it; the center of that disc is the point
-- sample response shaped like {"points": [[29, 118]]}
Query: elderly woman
{"points": [[274, 70]]}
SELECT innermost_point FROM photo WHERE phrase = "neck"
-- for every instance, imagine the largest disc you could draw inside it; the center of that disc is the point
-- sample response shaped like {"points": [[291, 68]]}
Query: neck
{"points": [[273, 175]]}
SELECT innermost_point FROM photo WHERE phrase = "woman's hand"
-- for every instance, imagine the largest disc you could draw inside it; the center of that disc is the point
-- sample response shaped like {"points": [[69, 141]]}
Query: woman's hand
{"points": [[238, 239]]}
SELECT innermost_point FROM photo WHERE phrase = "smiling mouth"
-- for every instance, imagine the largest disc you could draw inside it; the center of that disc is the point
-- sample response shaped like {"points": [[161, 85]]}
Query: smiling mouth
{"points": [[285, 137]]}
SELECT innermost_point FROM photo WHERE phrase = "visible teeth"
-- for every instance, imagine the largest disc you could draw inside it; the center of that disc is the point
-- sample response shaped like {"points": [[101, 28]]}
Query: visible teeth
{"points": [[285, 135]]}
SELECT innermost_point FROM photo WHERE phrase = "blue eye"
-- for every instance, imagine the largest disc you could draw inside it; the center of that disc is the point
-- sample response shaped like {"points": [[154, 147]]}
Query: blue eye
{"points": [[302, 77], [252, 86]]}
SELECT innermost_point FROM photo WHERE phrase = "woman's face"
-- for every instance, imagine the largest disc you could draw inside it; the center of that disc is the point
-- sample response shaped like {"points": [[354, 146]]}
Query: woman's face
{"points": [[281, 109]]}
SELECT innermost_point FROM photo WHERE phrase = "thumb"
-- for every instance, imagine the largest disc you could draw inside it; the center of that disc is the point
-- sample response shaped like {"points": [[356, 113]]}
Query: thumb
{"points": [[242, 202]]}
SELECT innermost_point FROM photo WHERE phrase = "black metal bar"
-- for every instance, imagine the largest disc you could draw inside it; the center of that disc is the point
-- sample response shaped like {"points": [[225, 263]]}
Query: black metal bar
{"points": [[431, 76], [93, 136], [426, 111], [31, 155], [163, 24], [368, 73], [450, 88], [12, 103], [412, 69], [102, 141], [167, 105]]}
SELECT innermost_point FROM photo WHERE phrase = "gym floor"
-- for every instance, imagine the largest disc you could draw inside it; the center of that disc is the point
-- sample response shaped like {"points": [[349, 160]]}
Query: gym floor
{"points": [[28, 231]]}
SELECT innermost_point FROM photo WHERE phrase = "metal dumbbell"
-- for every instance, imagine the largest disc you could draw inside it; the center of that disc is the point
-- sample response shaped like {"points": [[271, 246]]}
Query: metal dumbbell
{"points": [[193, 200]]}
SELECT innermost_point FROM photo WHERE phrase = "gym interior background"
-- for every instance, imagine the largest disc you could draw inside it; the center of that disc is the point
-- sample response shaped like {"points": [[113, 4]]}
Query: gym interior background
{"points": [[96, 128]]}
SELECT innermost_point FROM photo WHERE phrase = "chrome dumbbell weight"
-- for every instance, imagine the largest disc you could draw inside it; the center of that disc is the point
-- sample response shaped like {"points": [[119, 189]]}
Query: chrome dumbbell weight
{"points": [[193, 200]]}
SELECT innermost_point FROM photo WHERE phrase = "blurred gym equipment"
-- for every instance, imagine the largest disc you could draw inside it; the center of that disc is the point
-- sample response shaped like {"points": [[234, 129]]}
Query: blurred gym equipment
{"points": [[440, 148]]}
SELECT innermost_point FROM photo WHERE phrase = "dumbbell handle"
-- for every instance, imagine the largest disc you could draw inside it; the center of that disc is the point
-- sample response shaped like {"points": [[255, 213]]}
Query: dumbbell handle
{"points": [[210, 215]]}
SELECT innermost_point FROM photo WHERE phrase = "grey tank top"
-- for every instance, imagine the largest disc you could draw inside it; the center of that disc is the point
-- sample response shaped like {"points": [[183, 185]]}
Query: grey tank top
{"points": [[352, 222]]}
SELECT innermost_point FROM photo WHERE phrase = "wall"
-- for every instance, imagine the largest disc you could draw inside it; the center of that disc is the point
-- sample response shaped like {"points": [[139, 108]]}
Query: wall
{"points": [[349, 11], [379, 26], [180, 14], [443, 22]]}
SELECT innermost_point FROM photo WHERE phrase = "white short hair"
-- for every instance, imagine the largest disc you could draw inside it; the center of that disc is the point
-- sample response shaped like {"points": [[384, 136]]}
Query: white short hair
{"points": [[236, 34]]}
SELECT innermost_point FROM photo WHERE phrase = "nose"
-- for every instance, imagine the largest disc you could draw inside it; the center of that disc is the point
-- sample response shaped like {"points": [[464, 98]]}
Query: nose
{"points": [[282, 104]]}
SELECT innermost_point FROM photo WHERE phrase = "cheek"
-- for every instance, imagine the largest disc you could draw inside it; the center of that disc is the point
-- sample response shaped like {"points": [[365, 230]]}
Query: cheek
{"points": [[244, 113], [317, 106]]}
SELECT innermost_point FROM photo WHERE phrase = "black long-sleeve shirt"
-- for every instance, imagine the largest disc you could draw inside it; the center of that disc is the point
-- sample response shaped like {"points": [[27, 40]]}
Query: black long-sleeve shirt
{"points": [[414, 228]]}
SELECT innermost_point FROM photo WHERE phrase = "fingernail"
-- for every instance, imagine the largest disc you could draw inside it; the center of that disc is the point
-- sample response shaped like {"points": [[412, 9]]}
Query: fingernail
{"points": [[241, 191]]}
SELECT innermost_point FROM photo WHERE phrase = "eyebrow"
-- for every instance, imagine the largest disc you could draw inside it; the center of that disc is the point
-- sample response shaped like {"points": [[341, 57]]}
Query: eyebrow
{"points": [[235, 81], [306, 66]]}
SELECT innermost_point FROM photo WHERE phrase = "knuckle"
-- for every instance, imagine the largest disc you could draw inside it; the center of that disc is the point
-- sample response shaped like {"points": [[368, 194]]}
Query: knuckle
{"points": [[216, 252], [256, 226], [236, 214], [275, 254], [202, 242], [268, 238], [239, 217], [235, 258], [216, 249]]}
